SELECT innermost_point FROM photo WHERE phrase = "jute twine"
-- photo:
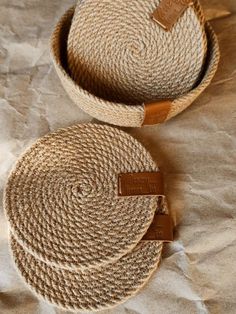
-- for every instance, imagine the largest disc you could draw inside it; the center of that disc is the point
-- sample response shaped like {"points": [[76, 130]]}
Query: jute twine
{"points": [[62, 197], [121, 112], [117, 52], [74, 240], [95, 289]]}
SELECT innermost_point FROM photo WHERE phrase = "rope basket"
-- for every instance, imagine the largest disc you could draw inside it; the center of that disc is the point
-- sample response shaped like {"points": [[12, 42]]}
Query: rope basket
{"points": [[75, 241], [113, 64]]}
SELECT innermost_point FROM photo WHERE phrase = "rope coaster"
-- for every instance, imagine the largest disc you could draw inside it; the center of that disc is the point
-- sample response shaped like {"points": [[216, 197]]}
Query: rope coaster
{"points": [[62, 200], [117, 52], [93, 289], [79, 235], [115, 84]]}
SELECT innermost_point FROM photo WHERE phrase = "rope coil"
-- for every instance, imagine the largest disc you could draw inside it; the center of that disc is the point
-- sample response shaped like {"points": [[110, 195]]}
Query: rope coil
{"points": [[117, 52], [116, 107], [74, 240]]}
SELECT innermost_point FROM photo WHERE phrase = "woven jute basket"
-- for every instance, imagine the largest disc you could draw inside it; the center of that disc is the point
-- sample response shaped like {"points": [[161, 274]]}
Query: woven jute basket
{"points": [[121, 67], [74, 240]]}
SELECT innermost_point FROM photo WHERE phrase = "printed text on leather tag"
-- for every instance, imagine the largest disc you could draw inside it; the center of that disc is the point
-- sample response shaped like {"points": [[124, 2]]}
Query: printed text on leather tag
{"points": [[169, 11], [141, 183]]}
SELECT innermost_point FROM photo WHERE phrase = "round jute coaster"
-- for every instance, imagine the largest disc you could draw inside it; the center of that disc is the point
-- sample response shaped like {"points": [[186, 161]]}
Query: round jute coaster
{"points": [[62, 201], [117, 52], [94, 289]]}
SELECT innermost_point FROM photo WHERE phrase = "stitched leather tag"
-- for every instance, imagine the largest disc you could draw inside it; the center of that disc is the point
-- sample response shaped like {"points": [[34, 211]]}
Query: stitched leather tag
{"points": [[141, 183], [156, 112], [169, 11], [161, 229]]}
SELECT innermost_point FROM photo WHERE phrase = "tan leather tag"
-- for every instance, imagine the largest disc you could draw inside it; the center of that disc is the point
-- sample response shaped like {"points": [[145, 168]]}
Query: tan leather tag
{"points": [[141, 183], [169, 11], [161, 229], [156, 112]]}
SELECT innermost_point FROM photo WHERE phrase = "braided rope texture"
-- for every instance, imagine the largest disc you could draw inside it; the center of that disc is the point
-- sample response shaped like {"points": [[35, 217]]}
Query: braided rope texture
{"points": [[62, 202], [117, 52], [121, 113], [94, 290]]}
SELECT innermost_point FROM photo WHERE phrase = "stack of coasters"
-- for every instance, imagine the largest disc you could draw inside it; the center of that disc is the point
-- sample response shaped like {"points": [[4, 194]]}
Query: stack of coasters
{"points": [[83, 206], [117, 51], [134, 63]]}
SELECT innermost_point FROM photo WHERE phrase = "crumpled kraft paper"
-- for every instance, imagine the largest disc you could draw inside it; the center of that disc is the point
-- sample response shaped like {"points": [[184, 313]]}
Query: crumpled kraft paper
{"points": [[196, 151]]}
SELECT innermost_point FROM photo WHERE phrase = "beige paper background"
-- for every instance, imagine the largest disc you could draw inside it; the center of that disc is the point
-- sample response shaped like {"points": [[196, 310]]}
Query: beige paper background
{"points": [[196, 151]]}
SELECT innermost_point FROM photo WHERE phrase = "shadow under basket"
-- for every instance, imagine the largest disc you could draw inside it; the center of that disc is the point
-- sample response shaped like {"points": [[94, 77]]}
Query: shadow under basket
{"points": [[122, 114]]}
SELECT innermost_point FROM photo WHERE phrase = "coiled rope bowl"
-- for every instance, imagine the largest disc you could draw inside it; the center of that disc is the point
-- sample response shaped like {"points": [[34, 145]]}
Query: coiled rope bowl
{"points": [[112, 77]]}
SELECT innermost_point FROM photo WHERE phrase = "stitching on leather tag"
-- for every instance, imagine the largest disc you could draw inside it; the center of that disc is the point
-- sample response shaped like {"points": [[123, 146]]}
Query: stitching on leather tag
{"points": [[141, 183], [169, 11], [161, 229], [156, 112]]}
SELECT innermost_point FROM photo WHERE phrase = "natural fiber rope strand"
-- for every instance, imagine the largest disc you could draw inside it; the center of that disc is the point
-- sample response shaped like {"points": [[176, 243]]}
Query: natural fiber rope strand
{"points": [[117, 52], [93, 289], [121, 113], [61, 197]]}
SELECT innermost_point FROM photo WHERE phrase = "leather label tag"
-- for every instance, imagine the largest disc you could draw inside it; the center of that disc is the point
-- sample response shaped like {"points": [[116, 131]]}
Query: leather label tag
{"points": [[161, 229], [169, 11], [141, 183], [156, 112]]}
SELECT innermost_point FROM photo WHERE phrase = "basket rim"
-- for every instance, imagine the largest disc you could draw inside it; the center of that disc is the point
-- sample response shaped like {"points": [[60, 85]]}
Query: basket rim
{"points": [[178, 104]]}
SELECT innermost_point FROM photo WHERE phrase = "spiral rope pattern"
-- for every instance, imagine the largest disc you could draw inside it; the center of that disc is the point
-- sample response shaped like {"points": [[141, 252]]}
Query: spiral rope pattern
{"points": [[75, 242], [62, 197], [117, 52], [121, 113]]}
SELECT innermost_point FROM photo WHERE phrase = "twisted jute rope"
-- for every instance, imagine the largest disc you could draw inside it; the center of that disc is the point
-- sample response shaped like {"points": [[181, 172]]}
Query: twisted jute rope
{"points": [[62, 201], [96, 289], [119, 112], [74, 241], [117, 52]]}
